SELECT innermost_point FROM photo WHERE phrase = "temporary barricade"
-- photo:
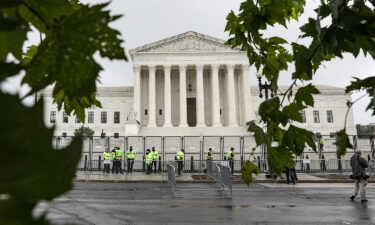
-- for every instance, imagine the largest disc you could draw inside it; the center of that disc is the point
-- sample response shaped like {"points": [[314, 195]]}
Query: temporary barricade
{"points": [[171, 174]]}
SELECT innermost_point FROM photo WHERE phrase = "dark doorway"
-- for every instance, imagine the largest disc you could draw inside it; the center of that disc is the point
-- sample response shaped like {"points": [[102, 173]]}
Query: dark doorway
{"points": [[192, 112]]}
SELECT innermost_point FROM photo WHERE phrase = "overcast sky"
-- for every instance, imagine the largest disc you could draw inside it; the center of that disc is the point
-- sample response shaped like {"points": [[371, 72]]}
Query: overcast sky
{"points": [[146, 21]]}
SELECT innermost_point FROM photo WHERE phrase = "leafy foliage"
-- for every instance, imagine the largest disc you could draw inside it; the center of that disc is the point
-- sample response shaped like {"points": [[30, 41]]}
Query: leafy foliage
{"points": [[73, 34], [247, 172], [342, 142], [84, 131], [351, 29]]}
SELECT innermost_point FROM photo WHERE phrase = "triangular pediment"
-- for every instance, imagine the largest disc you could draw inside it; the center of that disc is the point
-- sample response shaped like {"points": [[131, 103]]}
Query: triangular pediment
{"points": [[186, 42]]}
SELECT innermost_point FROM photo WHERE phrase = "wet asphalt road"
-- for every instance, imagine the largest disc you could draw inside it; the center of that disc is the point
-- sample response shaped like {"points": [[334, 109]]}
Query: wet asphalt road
{"points": [[112, 204]]}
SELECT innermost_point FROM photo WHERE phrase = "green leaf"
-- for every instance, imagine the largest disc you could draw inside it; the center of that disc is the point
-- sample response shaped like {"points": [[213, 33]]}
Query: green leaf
{"points": [[49, 172], [63, 60], [269, 110], [12, 33], [278, 159], [342, 143], [305, 95], [260, 136], [293, 111], [367, 84], [296, 139], [247, 172], [8, 70], [303, 66], [29, 54]]}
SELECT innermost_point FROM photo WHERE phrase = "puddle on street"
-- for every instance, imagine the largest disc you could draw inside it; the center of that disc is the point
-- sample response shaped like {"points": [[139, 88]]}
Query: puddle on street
{"points": [[234, 206]]}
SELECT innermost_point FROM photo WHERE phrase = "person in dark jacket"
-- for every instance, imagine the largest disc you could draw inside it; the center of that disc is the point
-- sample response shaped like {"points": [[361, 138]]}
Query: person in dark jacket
{"points": [[358, 165]]}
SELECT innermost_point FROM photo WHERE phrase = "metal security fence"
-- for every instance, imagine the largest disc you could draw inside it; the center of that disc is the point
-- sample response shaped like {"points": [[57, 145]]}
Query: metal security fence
{"points": [[313, 166], [196, 148]]}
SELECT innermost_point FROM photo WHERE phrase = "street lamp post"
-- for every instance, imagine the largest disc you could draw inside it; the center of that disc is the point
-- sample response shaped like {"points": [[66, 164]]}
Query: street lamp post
{"points": [[266, 87]]}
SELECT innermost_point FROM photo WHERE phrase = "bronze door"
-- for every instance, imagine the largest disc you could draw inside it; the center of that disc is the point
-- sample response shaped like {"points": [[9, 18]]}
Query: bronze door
{"points": [[191, 112]]}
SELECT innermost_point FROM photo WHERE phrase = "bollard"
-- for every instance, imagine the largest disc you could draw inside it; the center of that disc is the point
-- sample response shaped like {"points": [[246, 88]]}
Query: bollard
{"points": [[323, 164], [159, 164], [192, 164], [85, 166], [143, 164], [258, 160], [100, 163]]}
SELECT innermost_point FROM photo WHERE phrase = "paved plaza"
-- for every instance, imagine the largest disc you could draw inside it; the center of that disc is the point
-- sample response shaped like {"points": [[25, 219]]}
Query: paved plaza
{"points": [[200, 203]]}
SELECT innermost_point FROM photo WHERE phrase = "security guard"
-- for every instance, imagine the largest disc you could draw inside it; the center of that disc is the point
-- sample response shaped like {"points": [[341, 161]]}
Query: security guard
{"points": [[148, 161], [155, 158], [107, 156], [118, 159], [130, 156], [209, 157], [180, 158], [113, 153], [230, 158], [321, 142]]}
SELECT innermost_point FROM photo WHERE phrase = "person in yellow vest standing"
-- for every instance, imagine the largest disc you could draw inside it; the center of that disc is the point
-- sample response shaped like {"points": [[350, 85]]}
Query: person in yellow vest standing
{"points": [[230, 158], [321, 143], [118, 159], [148, 161], [155, 158], [209, 157], [130, 156], [107, 157], [180, 155]]}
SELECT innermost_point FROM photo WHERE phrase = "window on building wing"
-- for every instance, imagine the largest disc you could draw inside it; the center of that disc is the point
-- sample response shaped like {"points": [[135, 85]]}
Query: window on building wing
{"points": [[316, 116], [65, 118], [116, 118], [90, 118], [103, 117], [52, 117], [77, 120], [329, 116]]}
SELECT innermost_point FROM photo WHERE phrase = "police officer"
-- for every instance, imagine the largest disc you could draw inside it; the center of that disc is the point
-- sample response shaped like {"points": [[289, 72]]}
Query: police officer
{"points": [[118, 159], [113, 153], [180, 157], [321, 142], [107, 156], [155, 158], [230, 158], [148, 161], [209, 157], [130, 156]]}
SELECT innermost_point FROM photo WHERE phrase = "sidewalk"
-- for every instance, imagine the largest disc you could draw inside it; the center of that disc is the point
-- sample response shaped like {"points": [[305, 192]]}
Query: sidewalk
{"points": [[139, 177]]}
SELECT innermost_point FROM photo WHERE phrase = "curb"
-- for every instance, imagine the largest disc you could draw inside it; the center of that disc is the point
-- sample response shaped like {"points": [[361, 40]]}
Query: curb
{"points": [[211, 181]]}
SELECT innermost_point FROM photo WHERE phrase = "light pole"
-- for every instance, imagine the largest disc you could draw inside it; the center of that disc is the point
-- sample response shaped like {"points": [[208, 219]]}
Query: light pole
{"points": [[266, 87]]}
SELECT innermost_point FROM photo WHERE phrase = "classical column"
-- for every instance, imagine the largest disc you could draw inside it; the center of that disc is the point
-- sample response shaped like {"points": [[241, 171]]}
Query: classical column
{"points": [[167, 96], [183, 107], [137, 92], [151, 96], [232, 109], [215, 96], [246, 93], [200, 96]]}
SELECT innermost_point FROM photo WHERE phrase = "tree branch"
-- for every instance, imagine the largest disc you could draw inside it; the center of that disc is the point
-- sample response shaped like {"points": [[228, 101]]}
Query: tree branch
{"points": [[350, 104], [36, 14]]}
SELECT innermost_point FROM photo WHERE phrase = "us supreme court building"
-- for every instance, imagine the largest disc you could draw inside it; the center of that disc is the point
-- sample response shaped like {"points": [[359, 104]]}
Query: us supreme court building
{"points": [[191, 84]]}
